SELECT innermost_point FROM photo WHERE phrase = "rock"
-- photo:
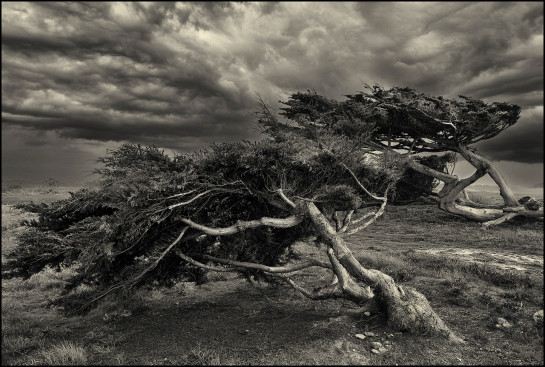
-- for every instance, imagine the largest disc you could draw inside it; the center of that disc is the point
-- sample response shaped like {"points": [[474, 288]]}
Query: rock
{"points": [[360, 336], [503, 323], [529, 203], [368, 333], [387, 342], [376, 345], [538, 317], [382, 350], [375, 351], [367, 313]]}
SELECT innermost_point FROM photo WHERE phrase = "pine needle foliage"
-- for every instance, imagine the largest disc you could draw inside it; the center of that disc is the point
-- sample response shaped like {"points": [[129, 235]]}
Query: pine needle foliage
{"points": [[119, 235]]}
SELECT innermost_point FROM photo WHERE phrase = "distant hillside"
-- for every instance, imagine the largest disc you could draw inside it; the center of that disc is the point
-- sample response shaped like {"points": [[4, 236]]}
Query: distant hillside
{"points": [[538, 186], [483, 188]]}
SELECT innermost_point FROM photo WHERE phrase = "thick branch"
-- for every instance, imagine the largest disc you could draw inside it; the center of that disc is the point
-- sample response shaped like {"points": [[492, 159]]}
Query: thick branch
{"points": [[337, 220], [477, 214], [342, 252], [472, 204], [479, 161], [348, 285], [500, 220], [445, 177], [271, 269], [462, 184], [363, 217], [346, 222], [328, 292], [288, 222]]}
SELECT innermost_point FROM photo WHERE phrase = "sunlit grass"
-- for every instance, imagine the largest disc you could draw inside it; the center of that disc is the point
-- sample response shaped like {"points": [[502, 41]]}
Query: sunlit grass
{"points": [[65, 353]]}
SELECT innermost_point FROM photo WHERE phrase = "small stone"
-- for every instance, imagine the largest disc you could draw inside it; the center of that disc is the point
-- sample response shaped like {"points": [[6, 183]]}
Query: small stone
{"points": [[382, 350], [360, 336], [538, 317], [387, 342], [376, 345], [529, 203], [501, 322], [375, 351], [367, 313], [368, 333]]}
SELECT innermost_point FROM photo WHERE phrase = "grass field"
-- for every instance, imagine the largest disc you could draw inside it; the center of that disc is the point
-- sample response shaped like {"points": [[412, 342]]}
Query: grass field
{"points": [[470, 276]]}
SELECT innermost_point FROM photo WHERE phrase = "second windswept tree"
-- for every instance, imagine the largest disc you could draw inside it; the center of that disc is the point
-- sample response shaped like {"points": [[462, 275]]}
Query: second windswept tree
{"points": [[402, 122]]}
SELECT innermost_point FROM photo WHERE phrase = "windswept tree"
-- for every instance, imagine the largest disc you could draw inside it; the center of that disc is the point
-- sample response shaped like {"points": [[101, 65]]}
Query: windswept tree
{"points": [[235, 207], [404, 122]]}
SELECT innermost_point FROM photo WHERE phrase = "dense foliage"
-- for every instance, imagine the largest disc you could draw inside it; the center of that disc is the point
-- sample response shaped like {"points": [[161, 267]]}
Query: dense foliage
{"points": [[116, 231], [115, 234]]}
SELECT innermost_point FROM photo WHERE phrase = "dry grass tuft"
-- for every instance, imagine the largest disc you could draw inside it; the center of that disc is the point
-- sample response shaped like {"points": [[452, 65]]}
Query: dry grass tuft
{"points": [[64, 354]]}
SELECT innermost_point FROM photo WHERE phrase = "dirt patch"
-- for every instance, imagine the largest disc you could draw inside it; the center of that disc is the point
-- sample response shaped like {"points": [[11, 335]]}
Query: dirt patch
{"points": [[509, 261], [234, 321]]}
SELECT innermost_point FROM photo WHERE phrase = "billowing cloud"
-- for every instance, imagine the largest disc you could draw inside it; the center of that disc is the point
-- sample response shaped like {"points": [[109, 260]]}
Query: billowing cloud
{"points": [[181, 75], [524, 144]]}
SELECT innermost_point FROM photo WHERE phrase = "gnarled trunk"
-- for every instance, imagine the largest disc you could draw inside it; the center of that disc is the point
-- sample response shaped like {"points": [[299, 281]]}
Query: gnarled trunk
{"points": [[406, 308], [488, 214]]}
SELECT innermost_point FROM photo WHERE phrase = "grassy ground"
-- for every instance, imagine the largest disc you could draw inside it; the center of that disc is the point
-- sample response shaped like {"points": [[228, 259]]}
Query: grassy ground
{"points": [[470, 276]]}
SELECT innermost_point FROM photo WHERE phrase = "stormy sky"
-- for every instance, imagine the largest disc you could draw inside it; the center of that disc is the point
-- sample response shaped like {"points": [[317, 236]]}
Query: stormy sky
{"points": [[80, 78]]}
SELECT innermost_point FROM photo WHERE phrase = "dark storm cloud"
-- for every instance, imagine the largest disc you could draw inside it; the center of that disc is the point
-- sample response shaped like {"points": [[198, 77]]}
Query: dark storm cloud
{"points": [[96, 76], [445, 48], [524, 144], [181, 75]]}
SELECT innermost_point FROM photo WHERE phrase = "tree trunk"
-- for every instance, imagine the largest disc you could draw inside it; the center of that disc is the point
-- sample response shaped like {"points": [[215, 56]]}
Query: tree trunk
{"points": [[488, 214], [479, 161], [406, 309]]}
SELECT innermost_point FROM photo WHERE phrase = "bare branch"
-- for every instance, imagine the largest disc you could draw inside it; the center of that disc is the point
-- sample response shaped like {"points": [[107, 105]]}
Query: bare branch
{"points": [[445, 177], [348, 285], [288, 222], [331, 291], [377, 214], [337, 220], [285, 198], [363, 217], [447, 123], [499, 220], [191, 200], [271, 269], [203, 266], [361, 186], [181, 194], [346, 222]]}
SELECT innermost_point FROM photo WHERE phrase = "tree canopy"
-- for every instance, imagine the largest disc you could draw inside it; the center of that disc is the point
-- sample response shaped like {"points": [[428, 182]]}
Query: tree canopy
{"points": [[324, 170]]}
